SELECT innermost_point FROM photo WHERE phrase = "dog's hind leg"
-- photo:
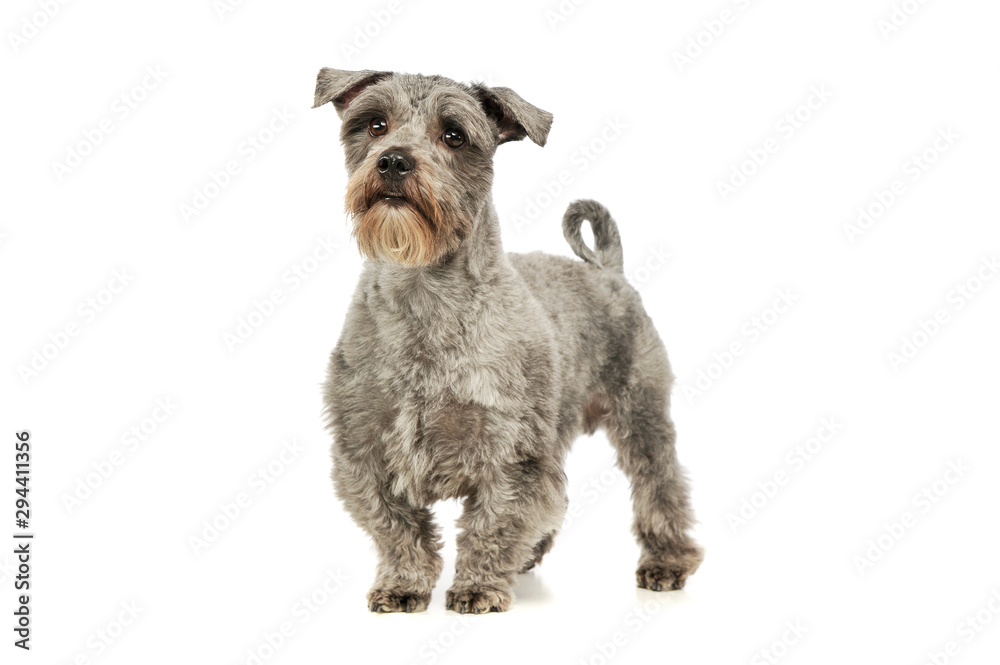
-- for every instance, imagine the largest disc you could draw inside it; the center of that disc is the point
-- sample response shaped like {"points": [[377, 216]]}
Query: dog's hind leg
{"points": [[641, 430], [541, 548]]}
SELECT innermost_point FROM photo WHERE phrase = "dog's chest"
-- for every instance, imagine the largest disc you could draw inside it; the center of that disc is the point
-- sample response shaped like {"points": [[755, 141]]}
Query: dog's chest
{"points": [[454, 407], [459, 377], [452, 363], [440, 446]]}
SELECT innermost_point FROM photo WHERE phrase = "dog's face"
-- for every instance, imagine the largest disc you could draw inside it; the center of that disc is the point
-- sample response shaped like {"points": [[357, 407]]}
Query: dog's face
{"points": [[419, 152]]}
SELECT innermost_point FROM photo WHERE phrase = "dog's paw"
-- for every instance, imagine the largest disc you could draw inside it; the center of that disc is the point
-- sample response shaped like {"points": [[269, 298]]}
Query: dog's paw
{"points": [[397, 600], [668, 571], [477, 600]]}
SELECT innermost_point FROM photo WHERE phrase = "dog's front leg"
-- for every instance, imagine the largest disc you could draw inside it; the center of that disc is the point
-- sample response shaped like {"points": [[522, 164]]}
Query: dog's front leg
{"points": [[405, 536], [502, 522]]}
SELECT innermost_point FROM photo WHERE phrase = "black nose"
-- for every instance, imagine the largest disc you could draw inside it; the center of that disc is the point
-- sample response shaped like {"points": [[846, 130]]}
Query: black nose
{"points": [[394, 165]]}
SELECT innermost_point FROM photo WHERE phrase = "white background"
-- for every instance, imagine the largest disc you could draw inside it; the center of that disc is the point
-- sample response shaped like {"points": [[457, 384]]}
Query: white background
{"points": [[672, 131]]}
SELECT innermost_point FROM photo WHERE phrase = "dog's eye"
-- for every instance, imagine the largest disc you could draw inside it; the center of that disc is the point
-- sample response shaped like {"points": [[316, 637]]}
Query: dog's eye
{"points": [[453, 138], [378, 126]]}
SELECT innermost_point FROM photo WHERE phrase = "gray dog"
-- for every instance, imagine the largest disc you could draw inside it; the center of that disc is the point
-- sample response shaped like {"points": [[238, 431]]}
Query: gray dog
{"points": [[466, 372]]}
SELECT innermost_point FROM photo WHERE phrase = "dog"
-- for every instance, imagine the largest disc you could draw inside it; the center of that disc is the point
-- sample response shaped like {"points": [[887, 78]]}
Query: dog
{"points": [[465, 372]]}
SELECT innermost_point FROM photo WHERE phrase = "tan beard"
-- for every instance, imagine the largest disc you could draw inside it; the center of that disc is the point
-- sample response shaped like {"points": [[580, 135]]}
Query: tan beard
{"points": [[395, 231], [404, 231]]}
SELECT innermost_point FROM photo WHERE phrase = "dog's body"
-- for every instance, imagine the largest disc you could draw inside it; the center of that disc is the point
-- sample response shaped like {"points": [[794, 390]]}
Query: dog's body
{"points": [[466, 372]]}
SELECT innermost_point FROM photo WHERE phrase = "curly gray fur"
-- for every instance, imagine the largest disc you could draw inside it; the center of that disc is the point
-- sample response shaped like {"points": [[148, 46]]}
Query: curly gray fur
{"points": [[470, 376]]}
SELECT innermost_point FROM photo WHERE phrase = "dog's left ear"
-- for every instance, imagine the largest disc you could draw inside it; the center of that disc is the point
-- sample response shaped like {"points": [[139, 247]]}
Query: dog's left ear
{"points": [[514, 117], [341, 87]]}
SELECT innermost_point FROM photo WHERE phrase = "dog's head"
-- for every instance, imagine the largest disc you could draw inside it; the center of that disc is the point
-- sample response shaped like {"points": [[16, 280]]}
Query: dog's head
{"points": [[419, 153]]}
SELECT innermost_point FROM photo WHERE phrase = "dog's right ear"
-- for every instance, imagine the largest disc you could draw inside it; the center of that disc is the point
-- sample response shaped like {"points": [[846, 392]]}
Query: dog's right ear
{"points": [[341, 87]]}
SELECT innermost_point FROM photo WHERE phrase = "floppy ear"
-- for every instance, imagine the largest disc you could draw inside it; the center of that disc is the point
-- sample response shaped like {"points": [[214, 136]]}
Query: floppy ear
{"points": [[514, 117], [341, 87]]}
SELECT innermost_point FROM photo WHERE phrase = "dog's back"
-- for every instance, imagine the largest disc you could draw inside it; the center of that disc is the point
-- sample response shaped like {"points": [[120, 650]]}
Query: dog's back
{"points": [[601, 327]]}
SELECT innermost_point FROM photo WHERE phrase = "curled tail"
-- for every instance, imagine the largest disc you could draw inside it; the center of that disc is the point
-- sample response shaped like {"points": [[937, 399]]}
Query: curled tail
{"points": [[607, 252]]}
